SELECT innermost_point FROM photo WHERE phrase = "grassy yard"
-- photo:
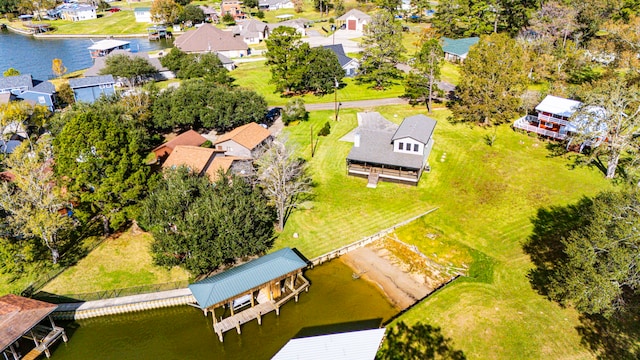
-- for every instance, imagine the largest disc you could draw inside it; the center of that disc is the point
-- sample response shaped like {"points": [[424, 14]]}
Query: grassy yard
{"points": [[256, 76], [119, 262], [486, 198]]}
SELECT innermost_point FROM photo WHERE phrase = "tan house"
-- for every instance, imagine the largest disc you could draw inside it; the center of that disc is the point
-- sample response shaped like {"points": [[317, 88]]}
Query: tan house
{"points": [[207, 38], [242, 141], [190, 138]]}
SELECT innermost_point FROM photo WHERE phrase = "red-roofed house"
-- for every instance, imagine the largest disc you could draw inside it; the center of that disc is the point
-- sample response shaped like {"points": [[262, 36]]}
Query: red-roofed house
{"points": [[189, 137]]}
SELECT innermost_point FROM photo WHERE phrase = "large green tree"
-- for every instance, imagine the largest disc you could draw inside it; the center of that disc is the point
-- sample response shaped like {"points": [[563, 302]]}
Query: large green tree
{"points": [[32, 200], [283, 54], [322, 71], [165, 11], [197, 104], [417, 342], [132, 69], [191, 13], [189, 66], [200, 225], [101, 159], [382, 52], [422, 82], [492, 81]]}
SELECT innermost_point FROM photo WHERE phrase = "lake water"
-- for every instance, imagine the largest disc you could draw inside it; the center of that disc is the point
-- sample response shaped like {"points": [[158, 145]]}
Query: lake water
{"points": [[334, 299], [34, 56]]}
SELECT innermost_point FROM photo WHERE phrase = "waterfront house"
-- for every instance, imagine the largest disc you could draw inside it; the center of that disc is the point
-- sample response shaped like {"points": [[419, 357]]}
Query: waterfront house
{"points": [[76, 12], [456, 50], [354, 20], [385, 151], [105, 47], [90, 89], [208, 38], [100, 63], [243, 141], [189, 138], [251, 290], [22, 317], [553, 120], [352, 345], [251, 31], [24, 87], [349, 65], [143, 14]]}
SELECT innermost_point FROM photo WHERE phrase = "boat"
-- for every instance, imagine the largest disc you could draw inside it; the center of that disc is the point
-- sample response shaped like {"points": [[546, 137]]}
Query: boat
{"points": [[104, 47]]}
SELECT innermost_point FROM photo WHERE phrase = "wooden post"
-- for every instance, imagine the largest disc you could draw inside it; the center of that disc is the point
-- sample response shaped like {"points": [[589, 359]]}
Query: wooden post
{"points": [[220, 336], [35, 340], [231, 307], [296, 297], [206, 313], [259, 317], [238, 327], [253, 302], [277, 310], [14, 352]]}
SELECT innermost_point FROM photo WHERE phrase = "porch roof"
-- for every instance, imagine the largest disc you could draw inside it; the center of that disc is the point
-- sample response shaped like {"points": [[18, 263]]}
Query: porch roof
{"points": [[240, 279], [19, 315]]}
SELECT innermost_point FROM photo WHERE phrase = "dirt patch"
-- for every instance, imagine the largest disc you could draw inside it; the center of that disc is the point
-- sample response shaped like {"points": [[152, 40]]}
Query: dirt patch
{"points": [[404, 275]]}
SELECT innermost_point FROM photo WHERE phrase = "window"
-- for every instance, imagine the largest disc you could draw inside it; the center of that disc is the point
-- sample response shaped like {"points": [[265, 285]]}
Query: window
{"points": [[415, 147], [400, 146], [41, 99]]}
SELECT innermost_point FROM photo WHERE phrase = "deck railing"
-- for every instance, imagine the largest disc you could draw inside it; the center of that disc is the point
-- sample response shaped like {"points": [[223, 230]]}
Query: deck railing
{"points": [[552, 119], [523, 123]]}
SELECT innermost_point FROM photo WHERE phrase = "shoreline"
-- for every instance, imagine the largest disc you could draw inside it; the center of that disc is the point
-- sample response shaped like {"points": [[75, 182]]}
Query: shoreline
{"points": [[73, 36]]}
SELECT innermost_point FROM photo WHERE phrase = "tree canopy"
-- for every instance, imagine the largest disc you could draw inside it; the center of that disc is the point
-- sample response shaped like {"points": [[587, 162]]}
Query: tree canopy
{"points": [[191, 13], [189, 66], [422, 82], [417, 342], [199, 225], [491, 83], [165, 11], [134, 70], [382, 52], [199, 104]]}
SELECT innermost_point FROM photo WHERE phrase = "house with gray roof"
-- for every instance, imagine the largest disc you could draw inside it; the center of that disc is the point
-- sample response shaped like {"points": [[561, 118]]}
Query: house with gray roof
{"points": [[385, 151], [100, 63], [251, 31], [456, 50], [349, 65], [90, 89], [24, 87]]}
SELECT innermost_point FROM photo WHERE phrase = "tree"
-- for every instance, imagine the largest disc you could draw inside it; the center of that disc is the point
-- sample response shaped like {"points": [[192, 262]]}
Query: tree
{"points": [[101, 160], [492, 82], [390, 6], [165, 11], [595, 257], [192, 13], [382, 52], [134, 70], [33, 199], [428, 61], [294, 111], [197, 104], [283, 178], [199, 225], [189, 66], [322, 71], [27, 115], [282, 56], [611, 111], [554, 21], [58, 68], [251, 4], [11, 72], [8, 6], [419, 341]]}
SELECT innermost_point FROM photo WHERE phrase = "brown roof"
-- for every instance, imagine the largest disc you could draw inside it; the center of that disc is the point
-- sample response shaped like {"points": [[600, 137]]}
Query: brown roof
{"points": [[195, 158], [249, 135], [208, 38], [220, 163], [188, 137], [19, 315]]}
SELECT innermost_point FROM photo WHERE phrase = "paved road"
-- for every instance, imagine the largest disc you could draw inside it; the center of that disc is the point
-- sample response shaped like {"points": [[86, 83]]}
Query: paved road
{"points": [[357, 104]]}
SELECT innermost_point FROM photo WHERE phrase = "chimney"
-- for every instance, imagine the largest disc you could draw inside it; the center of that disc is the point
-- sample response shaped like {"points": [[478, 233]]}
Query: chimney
{"points": [[356, 140]]}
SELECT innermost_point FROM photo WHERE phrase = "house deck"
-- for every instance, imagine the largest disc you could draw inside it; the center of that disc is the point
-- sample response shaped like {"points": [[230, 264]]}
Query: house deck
{"points": [[531, 123]]}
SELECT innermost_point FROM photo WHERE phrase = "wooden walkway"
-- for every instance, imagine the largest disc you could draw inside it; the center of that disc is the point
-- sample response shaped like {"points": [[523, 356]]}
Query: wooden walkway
{"points": [[45, 338], [32, 355]]}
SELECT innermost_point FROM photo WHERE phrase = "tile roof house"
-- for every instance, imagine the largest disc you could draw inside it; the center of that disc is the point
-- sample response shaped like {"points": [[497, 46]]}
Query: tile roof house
{"points": [[189, 137], [208, 38], [385, 151], [202, 161], [456, 50], [349, 65], [76, 12], [243, 140], [251, 31], [24, 87], [354, 20], [89, 89]]}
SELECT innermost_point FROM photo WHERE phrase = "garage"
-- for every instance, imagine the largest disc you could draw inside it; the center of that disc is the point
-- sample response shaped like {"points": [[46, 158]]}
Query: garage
{"points": [[351, 24]]}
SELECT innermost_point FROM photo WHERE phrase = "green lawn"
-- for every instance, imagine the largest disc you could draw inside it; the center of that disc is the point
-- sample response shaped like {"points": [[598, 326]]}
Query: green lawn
{"points": [[119, 262], [256, 76], [486, 197]]}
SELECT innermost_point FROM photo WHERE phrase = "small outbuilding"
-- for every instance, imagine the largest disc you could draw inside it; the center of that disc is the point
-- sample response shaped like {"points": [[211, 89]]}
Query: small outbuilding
{"points": [[355, 20], [456, 50]]}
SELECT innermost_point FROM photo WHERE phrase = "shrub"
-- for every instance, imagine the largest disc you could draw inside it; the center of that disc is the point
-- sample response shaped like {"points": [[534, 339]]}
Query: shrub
{"points": [[294, 111], [260, 14], [326, 130]]}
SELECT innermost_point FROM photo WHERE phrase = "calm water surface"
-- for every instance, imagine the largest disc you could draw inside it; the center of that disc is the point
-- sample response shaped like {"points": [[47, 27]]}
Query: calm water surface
{"points": [[34, 56], [184, 333]]}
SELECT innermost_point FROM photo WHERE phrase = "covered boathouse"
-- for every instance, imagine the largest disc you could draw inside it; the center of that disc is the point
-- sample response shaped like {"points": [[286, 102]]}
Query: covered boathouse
{"points": [[22, 317], [251, 290]]}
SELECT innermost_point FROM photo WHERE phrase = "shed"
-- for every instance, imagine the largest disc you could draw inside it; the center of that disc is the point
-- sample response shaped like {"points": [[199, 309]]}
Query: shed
{"points": [[354, 20], [456, 50]]}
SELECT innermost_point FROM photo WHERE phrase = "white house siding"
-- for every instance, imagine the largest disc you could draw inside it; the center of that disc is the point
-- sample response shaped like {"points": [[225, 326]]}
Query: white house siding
{"points": [[143, 16], [232, 148], [79, 15], [408, 142]]}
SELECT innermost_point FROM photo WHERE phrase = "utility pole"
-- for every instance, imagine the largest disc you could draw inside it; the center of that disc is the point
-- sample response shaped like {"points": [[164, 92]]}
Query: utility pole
{"points": [[335, 99]]}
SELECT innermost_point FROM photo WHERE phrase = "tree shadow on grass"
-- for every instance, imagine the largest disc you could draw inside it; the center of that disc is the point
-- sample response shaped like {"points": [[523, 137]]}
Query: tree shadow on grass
{"points": [[608, 338]]}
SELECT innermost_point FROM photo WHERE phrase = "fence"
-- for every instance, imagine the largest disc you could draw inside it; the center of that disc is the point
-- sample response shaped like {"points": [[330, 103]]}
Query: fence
{"points": [[368, 240], [109, 294]]}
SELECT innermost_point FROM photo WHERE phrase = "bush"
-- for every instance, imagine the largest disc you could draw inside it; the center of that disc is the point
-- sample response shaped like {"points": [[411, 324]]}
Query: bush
{"points": [[228, 19], [207, 144], [260, 14], [326, 130], [294, 111]]}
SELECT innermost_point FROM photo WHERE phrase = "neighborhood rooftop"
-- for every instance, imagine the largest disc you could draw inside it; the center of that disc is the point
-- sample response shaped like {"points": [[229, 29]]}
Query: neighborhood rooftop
{"points": [[15, 82], [337, 49], [240, 279], [107, 44], [249, 135], [91, 81], [209, 38], [458, 47], [354, 345], [558, 106], [418, 127]]}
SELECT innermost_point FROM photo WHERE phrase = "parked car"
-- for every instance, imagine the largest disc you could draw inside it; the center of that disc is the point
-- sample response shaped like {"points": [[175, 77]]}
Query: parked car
{"points": [[114, 10]]}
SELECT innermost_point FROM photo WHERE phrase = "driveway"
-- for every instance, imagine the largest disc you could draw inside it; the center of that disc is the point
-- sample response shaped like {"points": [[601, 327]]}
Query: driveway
{"points": [[344, 37]]}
